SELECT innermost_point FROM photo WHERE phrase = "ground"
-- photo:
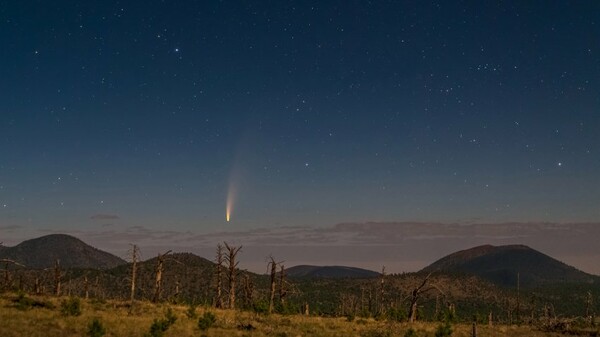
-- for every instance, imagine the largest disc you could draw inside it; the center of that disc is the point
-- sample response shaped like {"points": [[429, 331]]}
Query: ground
{"points": [[42, 316]]}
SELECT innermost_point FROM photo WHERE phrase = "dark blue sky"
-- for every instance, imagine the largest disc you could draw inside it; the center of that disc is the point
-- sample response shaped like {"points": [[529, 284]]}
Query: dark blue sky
{"points": [[145, 112]]}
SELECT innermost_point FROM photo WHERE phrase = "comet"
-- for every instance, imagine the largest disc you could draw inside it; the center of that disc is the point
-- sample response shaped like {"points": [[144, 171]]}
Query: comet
{"points": [[231, 194]]}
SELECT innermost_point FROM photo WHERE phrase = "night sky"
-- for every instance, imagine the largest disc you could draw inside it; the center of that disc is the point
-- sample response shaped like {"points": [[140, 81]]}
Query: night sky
{"points": [[151, 114]]}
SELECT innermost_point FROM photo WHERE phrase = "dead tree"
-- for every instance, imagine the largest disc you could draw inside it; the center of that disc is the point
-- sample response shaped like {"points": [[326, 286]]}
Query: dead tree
{"points": [[588, 308], [7, 278], [134, 259], [382, 292], [57, 276], [232, 252], [37, 287], [219, 277], [86, 287], [282, 291], [273, 265], [248, 290], [416, 293], [518, 297], [158, 272]]}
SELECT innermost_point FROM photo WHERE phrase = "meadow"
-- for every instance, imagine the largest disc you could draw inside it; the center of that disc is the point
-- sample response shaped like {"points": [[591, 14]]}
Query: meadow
{"points": [[45, 316]]}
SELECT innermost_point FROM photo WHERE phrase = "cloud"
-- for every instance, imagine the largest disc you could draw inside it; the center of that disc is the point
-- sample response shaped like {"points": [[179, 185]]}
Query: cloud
{"points": [[400, 246], [10, 228], [104, 217]]}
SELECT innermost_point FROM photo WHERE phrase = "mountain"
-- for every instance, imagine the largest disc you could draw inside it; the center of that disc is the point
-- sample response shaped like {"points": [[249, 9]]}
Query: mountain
{"points": [[329, 272], [42, 252], [502, 264]]}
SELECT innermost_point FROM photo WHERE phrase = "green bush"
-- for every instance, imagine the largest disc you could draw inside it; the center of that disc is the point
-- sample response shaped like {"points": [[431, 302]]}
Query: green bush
{"points": [[22, 302], [444, 330], [410, 333], [70, 307], [191, 312], [160, 326], [261, 307], [96, 329], [396, 315], [206, 321]]}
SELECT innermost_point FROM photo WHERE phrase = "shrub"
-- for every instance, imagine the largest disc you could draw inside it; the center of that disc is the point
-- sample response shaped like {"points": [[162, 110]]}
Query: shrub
{"points": [[444, 330], [207, 320], [71, 307], [22, 302], [160, 326], [410, 333], [191, 312], [96, 329], [396, 315], [261, 307]]}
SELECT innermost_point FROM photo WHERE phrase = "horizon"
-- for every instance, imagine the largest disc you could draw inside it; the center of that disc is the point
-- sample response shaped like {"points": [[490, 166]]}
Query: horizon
{"points": [[304, 122], [340, 246]]}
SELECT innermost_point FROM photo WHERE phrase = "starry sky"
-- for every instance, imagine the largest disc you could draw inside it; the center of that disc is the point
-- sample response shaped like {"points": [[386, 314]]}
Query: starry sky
{"points": [[152, 114]]}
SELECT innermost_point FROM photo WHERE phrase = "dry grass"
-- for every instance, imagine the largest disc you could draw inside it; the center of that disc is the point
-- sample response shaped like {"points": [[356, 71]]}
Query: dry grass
{"points": [[119, 320]]}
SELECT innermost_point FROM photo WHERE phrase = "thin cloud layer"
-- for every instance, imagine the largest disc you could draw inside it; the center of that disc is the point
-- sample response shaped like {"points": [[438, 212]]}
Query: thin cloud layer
{"points": [[104, 217], [400, 246]]}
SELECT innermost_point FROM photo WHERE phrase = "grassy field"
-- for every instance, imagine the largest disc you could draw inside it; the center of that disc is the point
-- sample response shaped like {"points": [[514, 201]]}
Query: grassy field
{"points": [[44, 316]]}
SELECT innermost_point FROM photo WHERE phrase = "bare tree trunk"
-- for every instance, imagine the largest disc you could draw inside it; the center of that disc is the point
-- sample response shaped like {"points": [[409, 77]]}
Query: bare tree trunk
{"points": [[134, 258], [219, 277], [490, 319], [362, 300], [232, 252], [6, 276], [38, 289], [518, 297], [474, 330], [416, 293], [158, 281], [273, 265], [282, 291], [57, 278], [382, 292], [176, 289], [86, 287], [248, 290]]}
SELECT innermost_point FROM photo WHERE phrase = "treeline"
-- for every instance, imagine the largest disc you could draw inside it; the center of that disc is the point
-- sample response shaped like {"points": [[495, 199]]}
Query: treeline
{"points": [[221, 283]]}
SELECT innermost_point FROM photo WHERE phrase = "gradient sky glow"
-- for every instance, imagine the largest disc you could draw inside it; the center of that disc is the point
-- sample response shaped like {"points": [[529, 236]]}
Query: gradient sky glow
{"points": [[317, 112]]}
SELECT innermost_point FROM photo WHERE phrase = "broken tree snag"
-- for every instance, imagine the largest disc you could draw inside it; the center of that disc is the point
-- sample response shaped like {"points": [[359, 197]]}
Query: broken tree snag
{"points": [[158, 281], [282, 291], [57, 277], [248, 290], [37, 288], [86, 287], [382, 292], [8, 282], [219, 277], [273, 266], [134, 259], [416, 293], [232, 252]]}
